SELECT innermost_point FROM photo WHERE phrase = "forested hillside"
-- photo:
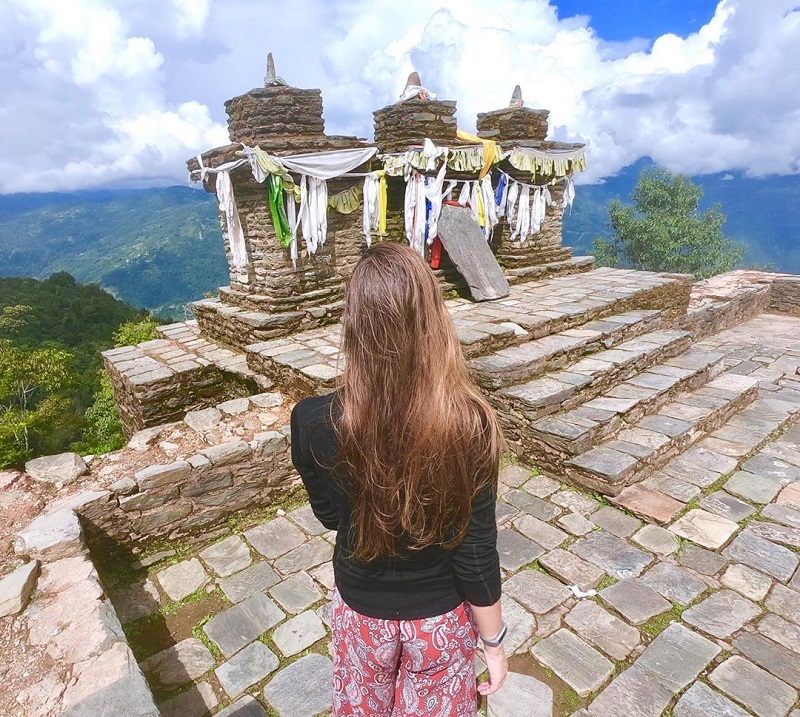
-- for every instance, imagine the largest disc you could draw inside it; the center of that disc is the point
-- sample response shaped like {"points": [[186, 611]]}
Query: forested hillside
{"points": [[154, 248], [51, 336]]}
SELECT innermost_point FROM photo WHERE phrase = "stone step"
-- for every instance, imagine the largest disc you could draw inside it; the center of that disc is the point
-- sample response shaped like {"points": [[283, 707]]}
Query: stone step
{"points": [[574, 265], [579, 382], [638, 450], [308, 362], [518, 363], [572, 431]]}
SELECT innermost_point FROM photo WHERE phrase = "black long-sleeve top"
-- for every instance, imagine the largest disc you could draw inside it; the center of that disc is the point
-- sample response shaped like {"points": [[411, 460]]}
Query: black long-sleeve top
{"points": [[418, 584]]}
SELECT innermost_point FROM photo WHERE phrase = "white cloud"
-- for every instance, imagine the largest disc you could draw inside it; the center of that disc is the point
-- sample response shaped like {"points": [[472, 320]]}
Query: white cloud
{"points": [[109, 91]]}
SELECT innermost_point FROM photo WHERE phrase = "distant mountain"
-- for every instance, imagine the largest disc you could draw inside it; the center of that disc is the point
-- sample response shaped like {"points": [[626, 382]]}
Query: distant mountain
{"points": [[153, 248], [762, 213], [161, 248]]}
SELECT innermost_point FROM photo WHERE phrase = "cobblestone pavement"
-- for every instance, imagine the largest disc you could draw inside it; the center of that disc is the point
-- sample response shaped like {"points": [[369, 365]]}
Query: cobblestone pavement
{"points": [[680, 596]]}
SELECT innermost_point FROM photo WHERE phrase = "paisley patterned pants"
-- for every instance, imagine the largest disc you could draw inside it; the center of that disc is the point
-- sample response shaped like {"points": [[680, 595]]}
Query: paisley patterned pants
{"points": [[403, 668]]}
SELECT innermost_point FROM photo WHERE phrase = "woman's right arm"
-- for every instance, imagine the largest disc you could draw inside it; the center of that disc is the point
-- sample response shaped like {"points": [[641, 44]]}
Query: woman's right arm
{"points": [[489, 621]]}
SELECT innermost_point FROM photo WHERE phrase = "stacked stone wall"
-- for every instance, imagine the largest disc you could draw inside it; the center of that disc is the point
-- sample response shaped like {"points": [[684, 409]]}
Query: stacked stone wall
{"points": [[513, 125], [786, 295], [405, 124]]}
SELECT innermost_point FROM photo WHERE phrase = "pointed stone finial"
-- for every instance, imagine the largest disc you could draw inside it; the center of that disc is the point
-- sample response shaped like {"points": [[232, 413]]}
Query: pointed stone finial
{"points": [[516, 98], [413, 80], [272, 78]]}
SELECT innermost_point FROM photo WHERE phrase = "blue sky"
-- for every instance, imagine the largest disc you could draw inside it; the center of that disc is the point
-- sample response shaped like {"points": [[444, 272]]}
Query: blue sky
{"points": [[100, 93]]}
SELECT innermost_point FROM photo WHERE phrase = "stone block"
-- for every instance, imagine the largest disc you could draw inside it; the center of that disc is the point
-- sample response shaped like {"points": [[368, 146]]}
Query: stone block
{"points": [[782, 534], [521, 625], [701, 701], [701, 560], [752, 487], [227, 453], [315, 673], [649, 503], [161, 475], [746, 581], [540, 532], [203, 420], [674, 583], [658, 540], [63, 468], [306, 556], [197, 701], [298, 633], [571, 569], [634, 600], [227, 557], [133, 602], [677, 656], [275, 538], [633, 692], [51, 536], [722, 614], [617, 557], [763, 555], [239, 625], [756, 689], [296, 593], [178, 665], [594, 624], [243, 707], [539, 593], [785, 602], [182, 579], [536, 507], [516, 550], [304, 517], [16, 588], [615, 522], [582, 667], [706, 529], [268, 443], [774, 658], [575, 524], [521, 696], [246, 668], [252, 580], [727, 506], [515, 475], [781, 631]]}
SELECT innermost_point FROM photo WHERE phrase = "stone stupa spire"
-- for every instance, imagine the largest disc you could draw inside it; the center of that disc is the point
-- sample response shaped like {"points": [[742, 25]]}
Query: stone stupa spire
{"points": [[272, 79], [516, 98]]}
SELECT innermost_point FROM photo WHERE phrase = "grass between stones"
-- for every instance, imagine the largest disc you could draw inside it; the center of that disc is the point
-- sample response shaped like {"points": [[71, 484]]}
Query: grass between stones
{"points": [[656, 625], [606, 582]]}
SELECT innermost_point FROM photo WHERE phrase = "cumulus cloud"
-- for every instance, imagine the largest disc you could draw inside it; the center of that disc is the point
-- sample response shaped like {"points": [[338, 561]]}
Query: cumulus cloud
{"points": [[106, 92]]}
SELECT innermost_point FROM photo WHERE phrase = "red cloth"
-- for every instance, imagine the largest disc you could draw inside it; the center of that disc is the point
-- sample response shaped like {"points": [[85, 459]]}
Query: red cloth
{"points": [[403, 668]]}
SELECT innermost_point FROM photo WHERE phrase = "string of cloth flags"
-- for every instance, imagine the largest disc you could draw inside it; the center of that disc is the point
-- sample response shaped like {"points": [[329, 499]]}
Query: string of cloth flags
{"points": [[522, 205]]}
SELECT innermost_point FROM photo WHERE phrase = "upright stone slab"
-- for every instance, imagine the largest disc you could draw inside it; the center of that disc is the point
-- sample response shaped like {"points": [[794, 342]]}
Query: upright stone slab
{"points": [[471, 255]]}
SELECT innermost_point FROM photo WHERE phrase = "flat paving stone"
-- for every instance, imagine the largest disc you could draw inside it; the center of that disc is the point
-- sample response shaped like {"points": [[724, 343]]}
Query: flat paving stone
{"points": [[784, 514], [774, 658], [299, 633], [614, 555], [541, 486], [244, 707], [767, 465], [701, 701], [504, 512], [703, 561], [515, 475], [785, 602], [674, 583], [182, 579], [252, 580], [227, 557], [306, 556], [180, 664], [133, 602], [633, 693], [323, 574], [752, 487], [649, 503], [756, 689], [234, 628], [246, 668], [516, 550], [305, 518], [615, 521], [521, 624], [657, 540], [571, 569], [538, 592], [581, 666], [532, 505], [753, 584], [575, 524], [197, 701], [781, 631], [296, 593], [575, 502], [594, 624], [727, 506], [722, 613], [763, 555], [706, 529], [781, 534], [677, 656], [275, 538], [540, 532], [315, 673], [634, 600], [521, 696]]}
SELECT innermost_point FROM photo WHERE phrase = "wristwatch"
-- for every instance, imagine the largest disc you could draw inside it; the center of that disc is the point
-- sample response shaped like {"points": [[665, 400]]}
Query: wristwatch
{"points": [[496, 642]]}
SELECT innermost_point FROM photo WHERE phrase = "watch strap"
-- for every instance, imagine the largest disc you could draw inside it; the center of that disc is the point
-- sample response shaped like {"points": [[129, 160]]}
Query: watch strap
{"points": [[497, 641]]}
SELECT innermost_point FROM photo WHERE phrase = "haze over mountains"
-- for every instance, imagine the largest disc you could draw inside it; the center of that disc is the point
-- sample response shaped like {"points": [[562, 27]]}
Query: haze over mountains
{"points": [[161, 248]]}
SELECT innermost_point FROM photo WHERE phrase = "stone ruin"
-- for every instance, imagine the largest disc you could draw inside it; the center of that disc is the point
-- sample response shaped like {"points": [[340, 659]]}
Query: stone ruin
{"points": [[661, 412]]}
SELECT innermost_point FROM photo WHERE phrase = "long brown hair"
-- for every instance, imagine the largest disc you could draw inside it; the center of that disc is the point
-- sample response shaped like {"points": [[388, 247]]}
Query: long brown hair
{"points": [[416, 437]]}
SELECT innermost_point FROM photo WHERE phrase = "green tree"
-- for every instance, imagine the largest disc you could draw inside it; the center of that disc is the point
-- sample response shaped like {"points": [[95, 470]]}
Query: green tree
{"points": [[30, 406], [135, 332], [665, 231]]}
